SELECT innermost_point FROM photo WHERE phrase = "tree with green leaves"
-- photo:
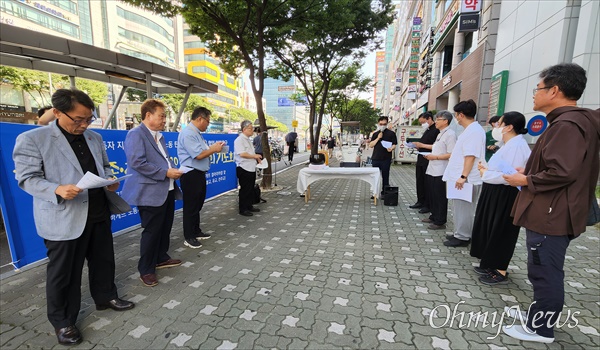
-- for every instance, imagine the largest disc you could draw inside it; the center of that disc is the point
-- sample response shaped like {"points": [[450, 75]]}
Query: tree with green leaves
{"points": [[346, 83], [340, 32], [39, 84], [363, 112], [241, 33]]}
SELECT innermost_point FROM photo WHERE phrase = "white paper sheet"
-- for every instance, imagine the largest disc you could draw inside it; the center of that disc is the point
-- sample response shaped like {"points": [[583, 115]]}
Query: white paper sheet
{"points": [[386, 144], [184, 169], [409, 145], [499, 164], [263, 164], [424, 153], [466, 194], [90, 180]]}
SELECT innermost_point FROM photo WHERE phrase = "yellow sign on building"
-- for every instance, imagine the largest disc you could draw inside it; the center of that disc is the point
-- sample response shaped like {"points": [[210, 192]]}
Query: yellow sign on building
{"points": [[294, 123]]}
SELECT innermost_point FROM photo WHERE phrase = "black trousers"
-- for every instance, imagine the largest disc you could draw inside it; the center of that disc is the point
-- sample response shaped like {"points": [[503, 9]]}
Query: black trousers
{"points": [[65, 265], [154, 244], [291, 149], [438, 203], [384, 167], [193, 186], [545, 263], [246, 180], [421, 187]]}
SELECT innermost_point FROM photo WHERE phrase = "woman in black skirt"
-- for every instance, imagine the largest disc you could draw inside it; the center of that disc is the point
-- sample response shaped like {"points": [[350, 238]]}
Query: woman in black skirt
{"points": [[494, 235]]}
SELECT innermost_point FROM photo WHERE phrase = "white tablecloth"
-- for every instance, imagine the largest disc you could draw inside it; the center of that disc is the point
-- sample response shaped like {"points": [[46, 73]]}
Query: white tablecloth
{"points": [[307, 176]]}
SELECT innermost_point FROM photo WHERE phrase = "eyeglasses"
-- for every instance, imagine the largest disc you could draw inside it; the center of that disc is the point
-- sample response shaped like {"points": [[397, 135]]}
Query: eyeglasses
{"points": [[87, 121], [206, 119], [542, 88], [440, 119], [382, 124]]}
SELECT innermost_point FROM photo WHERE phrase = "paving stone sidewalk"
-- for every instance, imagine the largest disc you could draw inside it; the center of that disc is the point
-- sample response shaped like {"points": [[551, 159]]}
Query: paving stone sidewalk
{"points": [[337, 272]]}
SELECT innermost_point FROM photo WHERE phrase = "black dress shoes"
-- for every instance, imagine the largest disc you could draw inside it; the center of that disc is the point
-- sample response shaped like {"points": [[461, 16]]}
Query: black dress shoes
{"points": [[246, 213], [68, 336], [254, 210], [417, 205], [116, 304], [424, 210]]}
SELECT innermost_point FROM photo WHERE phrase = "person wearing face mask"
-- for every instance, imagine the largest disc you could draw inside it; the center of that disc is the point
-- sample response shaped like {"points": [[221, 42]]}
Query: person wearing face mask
{"points": [[494, 235], [424, 145], [491, 145], [382, 157]]}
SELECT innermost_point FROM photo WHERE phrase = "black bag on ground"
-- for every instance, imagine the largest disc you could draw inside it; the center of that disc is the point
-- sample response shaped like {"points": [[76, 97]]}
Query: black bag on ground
{"points": [[257, 198], [390, 196]]}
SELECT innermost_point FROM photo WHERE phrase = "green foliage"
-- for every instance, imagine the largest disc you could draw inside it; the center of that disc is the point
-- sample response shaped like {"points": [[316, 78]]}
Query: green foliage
{"points": [[37, 84], [338, 32], [362, 111]]}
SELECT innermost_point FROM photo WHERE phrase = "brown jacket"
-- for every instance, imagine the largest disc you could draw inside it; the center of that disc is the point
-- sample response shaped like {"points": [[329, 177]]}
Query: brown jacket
{"points": [[562, 172]]}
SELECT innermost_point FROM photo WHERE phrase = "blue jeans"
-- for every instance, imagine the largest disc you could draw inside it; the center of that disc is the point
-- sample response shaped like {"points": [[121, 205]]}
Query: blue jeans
{"points": [[384, 167], [545, 262]]}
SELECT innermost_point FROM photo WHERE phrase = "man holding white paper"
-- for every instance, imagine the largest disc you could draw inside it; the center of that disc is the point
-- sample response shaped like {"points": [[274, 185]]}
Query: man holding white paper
{"points": [[194, 153], [74, 223], [469, 149], [382, 155]]}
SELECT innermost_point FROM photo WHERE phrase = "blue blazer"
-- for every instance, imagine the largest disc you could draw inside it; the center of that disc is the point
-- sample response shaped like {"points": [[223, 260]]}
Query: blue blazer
{"points": [[148, 184], [43, 161]]}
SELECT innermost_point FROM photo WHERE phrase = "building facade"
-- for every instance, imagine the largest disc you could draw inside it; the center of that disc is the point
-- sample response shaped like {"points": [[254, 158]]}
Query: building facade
{"points": [[278, 97]]}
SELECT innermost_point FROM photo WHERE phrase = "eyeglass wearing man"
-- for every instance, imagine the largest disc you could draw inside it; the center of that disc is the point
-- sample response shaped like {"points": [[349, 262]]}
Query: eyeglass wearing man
{"points": [[246, 160], [555, 195], [74, 223], [194, 152]]}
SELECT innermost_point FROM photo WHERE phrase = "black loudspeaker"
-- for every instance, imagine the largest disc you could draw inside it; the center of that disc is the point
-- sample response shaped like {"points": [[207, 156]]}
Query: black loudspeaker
{"points": [[390, 196]]}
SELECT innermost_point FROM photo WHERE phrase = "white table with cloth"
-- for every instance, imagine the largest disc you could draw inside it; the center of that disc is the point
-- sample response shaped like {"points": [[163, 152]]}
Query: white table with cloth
{"points": [[307, 176]]}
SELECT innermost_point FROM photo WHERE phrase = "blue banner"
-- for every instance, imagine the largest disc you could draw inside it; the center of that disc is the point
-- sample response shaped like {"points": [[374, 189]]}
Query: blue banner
{"points": [[27, 247]]}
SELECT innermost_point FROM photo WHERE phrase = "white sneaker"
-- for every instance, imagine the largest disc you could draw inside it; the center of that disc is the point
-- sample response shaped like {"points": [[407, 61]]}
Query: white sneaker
{"points": [[514, 312], [518, 332]]}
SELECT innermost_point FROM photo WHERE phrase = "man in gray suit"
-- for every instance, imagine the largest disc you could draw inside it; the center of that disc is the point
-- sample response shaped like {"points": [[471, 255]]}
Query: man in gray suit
{"points": [[74, 223], [152, 188]]}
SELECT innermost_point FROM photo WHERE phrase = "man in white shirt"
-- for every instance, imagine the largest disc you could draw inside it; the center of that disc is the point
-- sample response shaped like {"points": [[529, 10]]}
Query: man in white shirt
{"points": [[438, 160], [468, 151], [245, 161]]}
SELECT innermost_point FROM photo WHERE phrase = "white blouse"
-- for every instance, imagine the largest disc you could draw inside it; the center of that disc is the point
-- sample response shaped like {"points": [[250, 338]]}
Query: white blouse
{"points": [[515, 152]]}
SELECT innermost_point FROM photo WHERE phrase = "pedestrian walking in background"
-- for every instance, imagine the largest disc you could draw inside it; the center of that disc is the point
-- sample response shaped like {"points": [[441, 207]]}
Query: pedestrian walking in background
{"points": [[152, 188], [245, 161], [462, 168], [494, 235], [438, 161], [290, 140], [424, 145], [194, 153], [74, 223], [382, 156], [557, 190]]}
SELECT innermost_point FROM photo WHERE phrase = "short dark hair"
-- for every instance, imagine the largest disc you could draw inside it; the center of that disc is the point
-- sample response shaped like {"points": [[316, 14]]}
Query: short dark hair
{"points": [[383, 118], [517, 120], [468, 108], [494, 119], [65, 99], [201, 112], [426, 115], [150, 105], [569, 77], [43, 110]]}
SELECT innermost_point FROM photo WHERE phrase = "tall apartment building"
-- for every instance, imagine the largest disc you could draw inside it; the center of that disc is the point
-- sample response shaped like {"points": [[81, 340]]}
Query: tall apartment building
{"points": [[380, 79], [280, 106], [201, 63]]}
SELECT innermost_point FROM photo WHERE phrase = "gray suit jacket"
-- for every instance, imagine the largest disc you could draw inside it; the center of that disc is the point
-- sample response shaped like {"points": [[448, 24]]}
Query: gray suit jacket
{"points": [[43, 161], [148, 184]]}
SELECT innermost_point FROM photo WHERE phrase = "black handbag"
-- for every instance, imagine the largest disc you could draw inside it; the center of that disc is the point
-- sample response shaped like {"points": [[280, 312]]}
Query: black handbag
{"points": [[594, 214]]}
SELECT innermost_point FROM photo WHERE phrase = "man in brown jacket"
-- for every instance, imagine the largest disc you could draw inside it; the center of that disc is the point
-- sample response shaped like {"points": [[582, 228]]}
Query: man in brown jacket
{"points": [[557, 189]]}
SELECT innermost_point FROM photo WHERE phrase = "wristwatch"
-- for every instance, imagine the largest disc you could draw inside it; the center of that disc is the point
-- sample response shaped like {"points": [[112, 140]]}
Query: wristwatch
{"points": [[463, 177]]}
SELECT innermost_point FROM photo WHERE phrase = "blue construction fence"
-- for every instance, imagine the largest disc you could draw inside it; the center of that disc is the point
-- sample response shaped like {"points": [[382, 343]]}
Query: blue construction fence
{"points": [[27, 247]]}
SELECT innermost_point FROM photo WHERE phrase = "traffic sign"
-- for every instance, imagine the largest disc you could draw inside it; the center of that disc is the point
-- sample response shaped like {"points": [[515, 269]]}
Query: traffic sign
{"points": [[536, 125], [294, 123]]}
